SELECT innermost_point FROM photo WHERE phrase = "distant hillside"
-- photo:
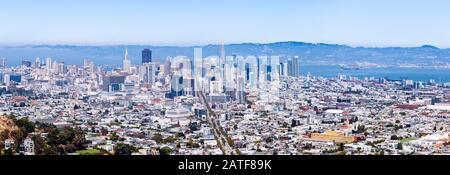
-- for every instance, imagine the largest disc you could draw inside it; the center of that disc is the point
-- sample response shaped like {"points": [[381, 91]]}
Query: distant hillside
{"points": [[310, 53]]}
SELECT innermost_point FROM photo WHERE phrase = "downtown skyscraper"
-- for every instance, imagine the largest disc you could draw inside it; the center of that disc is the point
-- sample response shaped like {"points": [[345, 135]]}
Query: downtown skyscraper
{"points": [[294, 67], [146, 56], [126, 62], [198, 68]]}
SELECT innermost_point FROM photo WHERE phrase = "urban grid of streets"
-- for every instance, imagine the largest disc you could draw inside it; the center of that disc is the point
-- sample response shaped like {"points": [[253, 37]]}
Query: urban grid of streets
{"points": [[237, 105]]}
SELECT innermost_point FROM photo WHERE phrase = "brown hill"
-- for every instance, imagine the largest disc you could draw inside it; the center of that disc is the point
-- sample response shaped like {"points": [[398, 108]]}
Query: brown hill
{"points": [[7, 124]]}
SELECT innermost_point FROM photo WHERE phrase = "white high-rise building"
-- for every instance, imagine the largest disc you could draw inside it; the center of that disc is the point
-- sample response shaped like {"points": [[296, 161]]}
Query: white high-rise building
{"points": [[263, 72], [216, 87], [126, 63], [198, 68], [275, 71], [285, 69], [61, 68], [3, 62], [147, 73], [54, 68], [228, 77], [48, 64], [181, 65], [7, 79], [89, 65], [222, 64], [37, 63], [240, 89], [253, 71], [294, 67]]}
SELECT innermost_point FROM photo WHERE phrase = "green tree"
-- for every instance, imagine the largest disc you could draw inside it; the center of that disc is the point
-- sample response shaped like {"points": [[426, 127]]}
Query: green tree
{"points": [[18, 136], [66, 135], [71, 148], [158, 138], [341, 147], [79, 140], [394, 137], [230, 141], [114, 137], [124, 149], [24, 123], [169, 139], [165, 151], [61, 149], [181, 135], [53, 137], [361, 129], [8, 152], [50, 150], [39, 144]]}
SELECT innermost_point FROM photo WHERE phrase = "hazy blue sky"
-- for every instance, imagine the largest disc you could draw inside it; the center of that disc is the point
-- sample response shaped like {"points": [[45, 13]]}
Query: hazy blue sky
{"points": [[162, 22]]}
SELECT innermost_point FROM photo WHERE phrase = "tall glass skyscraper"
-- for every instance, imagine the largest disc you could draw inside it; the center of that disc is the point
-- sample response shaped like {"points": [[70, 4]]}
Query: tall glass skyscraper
{"points": [[198, 68], [146, 56], [294, 67]]}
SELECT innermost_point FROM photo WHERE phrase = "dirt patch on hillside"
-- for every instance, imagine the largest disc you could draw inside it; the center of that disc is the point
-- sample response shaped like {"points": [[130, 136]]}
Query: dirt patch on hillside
{"points": [[7, 124]]}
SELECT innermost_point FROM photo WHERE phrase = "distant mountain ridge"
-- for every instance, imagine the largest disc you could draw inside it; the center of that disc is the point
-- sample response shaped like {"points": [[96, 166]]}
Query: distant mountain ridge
{"points": [[319, 53]]}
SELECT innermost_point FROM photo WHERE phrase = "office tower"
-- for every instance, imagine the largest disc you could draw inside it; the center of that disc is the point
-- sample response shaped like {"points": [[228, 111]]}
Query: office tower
{"points": [[247, 72], [7, 79], [189, 86], [407, 83], [87, 63], [176, 86], [48, 64], [263, 70], [126, 63], [275, 69], [182, 65], [61, 68], [26, 63], [216, 87], [240, 90], [222, 63], [148, 73], [228, 69], [113, 83], [198, 69], [240, 65], [15, 78], [431, 81], [198, 62], [294, 67], [146, 56], [54, 68], [167, 67], [37, 63], [3, 62], [284, 69], [252, 71]]}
